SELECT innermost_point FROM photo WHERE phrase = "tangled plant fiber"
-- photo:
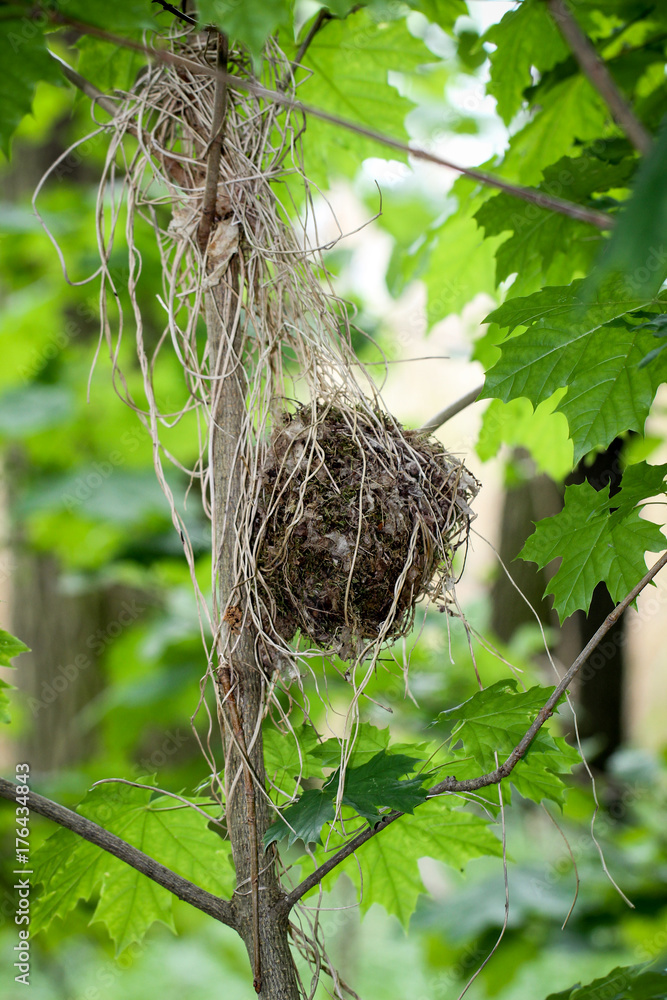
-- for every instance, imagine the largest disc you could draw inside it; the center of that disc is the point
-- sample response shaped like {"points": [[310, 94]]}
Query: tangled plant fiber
{"points": [[343, 520]]}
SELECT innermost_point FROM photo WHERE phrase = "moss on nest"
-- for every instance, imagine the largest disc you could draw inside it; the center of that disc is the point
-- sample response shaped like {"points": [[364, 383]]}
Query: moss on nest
{"points": [[358, 519]]}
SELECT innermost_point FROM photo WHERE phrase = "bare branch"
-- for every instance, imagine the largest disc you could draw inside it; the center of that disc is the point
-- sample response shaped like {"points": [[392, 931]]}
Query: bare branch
{"points": [[450, 784], [215, 148], [86, 87], [169, 7], [450, 411], [597, 72], [600, 220], [220, 909], [319, 21]]}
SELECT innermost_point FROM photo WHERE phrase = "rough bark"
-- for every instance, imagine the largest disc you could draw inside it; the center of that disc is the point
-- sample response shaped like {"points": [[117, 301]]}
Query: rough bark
{"points": [[277, 973]]}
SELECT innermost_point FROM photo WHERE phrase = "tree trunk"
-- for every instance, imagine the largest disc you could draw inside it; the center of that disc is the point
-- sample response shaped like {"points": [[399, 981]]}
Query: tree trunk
{"points": [[522, 506], [277, 972], [601, 686]]}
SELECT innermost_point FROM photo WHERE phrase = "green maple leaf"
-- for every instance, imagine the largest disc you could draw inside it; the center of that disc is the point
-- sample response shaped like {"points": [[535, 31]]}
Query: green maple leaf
{"points": [[304, 819], [351, 61], [595, 545], [630, 982], [368, 741], [10, 647], [540, 431], [250, 22], [540, 235], [442, 12], [636, 250], [460, 265], [524, 38], [376, 784], [386, 869], [570, 112], [491, 723], [25, 61], [109, 67], [71, 869], [288, 757], [588, 347]]}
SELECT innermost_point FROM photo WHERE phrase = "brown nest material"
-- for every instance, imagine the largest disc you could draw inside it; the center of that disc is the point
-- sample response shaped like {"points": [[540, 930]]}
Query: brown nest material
{"points": [[358, 519]]}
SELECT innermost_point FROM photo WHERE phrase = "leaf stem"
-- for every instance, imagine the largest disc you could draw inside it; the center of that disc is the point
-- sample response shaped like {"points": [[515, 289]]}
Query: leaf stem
{"points": [[205, 901]]}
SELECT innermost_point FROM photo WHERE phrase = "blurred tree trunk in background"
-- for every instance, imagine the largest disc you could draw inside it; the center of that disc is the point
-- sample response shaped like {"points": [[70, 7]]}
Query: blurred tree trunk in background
{"points": [[523, 504], [62, 674], [600, 688]]}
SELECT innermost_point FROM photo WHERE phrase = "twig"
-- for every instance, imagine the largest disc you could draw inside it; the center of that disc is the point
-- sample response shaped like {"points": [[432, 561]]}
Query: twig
{"points": [[323, 17], [599, 219], [215, 148], [450, 784], [450, 411], [319, 21], [597, 72], [88, 88], [205, 901], [175, 11]]}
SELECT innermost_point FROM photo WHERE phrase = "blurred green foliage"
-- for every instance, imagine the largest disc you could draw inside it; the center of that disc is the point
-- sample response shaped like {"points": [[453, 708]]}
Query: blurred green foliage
{"points": [[81, 487]]}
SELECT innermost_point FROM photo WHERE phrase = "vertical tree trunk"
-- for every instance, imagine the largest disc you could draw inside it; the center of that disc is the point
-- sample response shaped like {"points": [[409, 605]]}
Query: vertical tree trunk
{"points": [[277, 972], [522, 506], [601, 687]]}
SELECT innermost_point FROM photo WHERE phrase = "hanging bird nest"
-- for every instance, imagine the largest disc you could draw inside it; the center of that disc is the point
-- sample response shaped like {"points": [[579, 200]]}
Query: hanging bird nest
{"points": [[342, 520], [359, 519]]}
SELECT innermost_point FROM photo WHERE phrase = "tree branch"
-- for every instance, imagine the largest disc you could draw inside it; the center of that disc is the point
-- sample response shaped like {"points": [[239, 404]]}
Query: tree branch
{"points": [[450, 411], [215, 148], [220, 909], [593, 67], [86, 87], [574, 211], [318, 23], [450, 784]]}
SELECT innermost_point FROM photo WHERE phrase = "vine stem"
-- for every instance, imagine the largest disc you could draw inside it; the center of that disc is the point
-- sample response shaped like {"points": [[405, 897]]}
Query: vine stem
{"points": [[205, 901], [599, 76], [601, 220], [450, 784]]}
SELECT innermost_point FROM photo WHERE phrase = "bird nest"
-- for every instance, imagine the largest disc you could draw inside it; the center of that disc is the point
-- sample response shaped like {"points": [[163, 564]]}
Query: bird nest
{"points": [[358, 520]]}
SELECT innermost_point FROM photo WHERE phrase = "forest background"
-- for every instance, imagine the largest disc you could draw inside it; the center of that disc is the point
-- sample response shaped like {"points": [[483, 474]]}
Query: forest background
{"points": [[93, 574]]}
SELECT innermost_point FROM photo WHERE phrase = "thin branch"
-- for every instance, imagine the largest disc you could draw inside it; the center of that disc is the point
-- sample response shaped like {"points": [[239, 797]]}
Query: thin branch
{"points": [[450, 411], [600, 220], [450, 784], [88, 88], [175, 11], [593, 67], [319, 21], [220, 909], [215, 148]]}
